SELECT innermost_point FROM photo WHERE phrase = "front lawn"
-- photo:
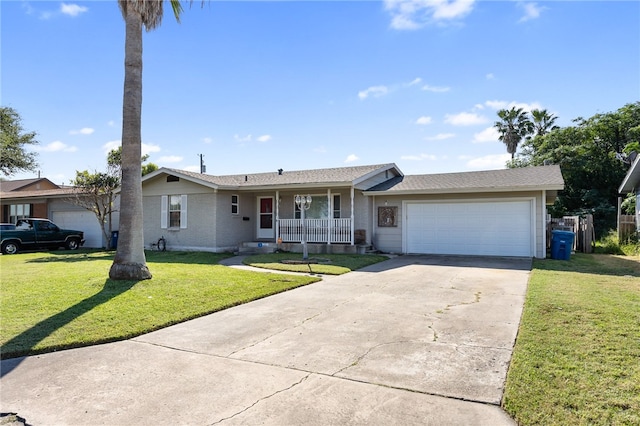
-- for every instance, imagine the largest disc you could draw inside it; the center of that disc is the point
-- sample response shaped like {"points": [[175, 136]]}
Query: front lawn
{"points": [[329, 264], [577, 356], [61, 299]]}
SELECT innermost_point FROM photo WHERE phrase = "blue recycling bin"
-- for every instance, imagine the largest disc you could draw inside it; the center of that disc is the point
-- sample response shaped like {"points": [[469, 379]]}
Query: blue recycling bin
{"points": [[561, 244], [114, 239]]}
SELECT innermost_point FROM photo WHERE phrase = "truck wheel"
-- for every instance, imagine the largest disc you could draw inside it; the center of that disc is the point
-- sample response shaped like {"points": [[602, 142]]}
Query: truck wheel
{"points": [[73, 244], [10, 247]]}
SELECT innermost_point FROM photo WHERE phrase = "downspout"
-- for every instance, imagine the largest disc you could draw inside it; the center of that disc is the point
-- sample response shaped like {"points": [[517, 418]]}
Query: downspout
{"points": [[353, 223]]}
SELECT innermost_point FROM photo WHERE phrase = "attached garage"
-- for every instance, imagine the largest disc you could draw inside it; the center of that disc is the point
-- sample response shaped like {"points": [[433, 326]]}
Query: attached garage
{"points": [[81, 221], [484, 213], [490, 228]]}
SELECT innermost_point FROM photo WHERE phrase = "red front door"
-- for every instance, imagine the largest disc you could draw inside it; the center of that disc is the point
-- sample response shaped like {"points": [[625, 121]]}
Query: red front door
{"points": [[265, 221]]}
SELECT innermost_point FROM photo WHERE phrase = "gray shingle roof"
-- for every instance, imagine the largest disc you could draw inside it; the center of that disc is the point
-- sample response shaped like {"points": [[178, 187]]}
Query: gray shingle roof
{"points": [[525, 178], [338, 175]]}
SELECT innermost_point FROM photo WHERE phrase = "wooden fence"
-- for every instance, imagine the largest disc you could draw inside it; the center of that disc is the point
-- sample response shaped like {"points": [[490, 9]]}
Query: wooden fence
{"points": [[582, 227], [626, 226]]}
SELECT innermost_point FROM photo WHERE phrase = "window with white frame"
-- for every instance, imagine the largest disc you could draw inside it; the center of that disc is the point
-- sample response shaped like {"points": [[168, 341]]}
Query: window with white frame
{"points": [[336, 206], [19, 211], [173, 213], [235, 208], [319, 208]]}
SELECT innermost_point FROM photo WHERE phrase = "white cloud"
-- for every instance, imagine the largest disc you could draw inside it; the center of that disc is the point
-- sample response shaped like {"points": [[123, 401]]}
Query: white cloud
{"points": [[490, 134], [149, 148], [531, 11], [207, 140], [423, 120], [111, 123], [110, 145], [57, 146], [146, 147], [171, 159], [264, 138], [440, 137], [490, 76], [435, 89], [488, 162], [374, 91], [83, 131], [464, 119], [414, 14], [351, 158], [507, 105], [242, 139], [72, 9], [419, 157], [195, 169], [413, 82]]}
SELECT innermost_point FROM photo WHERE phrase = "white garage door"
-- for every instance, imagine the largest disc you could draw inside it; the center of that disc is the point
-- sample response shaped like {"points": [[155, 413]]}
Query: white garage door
{"points": [[80, 221], [497, 228]]}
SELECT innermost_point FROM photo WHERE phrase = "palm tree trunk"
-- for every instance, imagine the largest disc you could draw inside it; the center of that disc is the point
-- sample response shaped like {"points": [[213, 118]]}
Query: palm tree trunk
{"points": [[130, 262]]}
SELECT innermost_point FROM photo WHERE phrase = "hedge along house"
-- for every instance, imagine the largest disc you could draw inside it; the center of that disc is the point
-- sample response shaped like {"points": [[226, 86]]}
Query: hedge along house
{"points": [[499, 212]]}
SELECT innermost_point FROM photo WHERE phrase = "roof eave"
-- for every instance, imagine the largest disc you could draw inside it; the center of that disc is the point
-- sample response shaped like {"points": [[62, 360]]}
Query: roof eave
{"points": [[466, 190], [631, 179]]}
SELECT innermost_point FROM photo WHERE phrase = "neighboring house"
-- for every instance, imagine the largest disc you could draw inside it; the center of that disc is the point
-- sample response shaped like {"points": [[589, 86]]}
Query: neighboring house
{"points": [[631, 184], [498, 213], [41, 198]]}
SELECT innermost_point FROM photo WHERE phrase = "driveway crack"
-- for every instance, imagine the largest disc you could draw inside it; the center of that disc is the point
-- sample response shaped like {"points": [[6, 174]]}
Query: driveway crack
{"points": [[263, 399], [274, 334], [367, 352]]}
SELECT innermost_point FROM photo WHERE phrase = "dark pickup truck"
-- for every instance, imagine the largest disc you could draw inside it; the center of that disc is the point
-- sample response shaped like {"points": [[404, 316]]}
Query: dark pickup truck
{"points": [[33, 234]]}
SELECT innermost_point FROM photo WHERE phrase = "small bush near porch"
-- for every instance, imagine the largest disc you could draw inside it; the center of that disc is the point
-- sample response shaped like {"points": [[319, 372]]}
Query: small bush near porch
{"points": [[576, 358], [60, 299], [329, 264]]}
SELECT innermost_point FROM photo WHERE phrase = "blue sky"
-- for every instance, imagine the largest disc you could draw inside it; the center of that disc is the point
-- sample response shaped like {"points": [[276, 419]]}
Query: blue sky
{"points": [[258, 86]]}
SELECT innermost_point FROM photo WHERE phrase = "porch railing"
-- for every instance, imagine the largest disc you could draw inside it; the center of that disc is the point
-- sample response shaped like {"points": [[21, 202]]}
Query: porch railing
{"points": [[318, 230]]}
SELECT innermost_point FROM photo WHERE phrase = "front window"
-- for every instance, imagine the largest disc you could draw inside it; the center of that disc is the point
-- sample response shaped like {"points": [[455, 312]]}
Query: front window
{"points": [[175, 206], [319, 208], [19, 211]]}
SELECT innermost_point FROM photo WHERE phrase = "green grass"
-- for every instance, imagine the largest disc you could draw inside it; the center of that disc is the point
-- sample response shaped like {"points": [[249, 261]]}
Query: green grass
{"points": [[57, 300], [329, 264], [577, 356]]}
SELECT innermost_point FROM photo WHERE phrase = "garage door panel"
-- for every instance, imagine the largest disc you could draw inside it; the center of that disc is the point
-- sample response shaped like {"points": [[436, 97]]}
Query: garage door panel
{"points": [[84, 221], [500, 228]]}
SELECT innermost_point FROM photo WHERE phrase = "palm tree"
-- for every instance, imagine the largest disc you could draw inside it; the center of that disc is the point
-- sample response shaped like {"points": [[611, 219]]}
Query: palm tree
{"points": [[130, 262], [513, 127], [543, 122]]}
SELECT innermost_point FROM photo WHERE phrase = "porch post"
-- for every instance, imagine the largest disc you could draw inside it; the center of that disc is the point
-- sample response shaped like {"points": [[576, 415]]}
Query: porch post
{"points": [[329, 216], [352, 216], [277, 224]]}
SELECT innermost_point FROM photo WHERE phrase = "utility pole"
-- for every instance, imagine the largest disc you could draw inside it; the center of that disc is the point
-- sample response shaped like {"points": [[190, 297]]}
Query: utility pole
{"points": [[203, 168]]}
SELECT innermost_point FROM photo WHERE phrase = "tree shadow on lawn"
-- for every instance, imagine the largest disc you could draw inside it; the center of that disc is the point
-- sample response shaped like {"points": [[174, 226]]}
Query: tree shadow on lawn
{"points": [[27, 340], [600, 264], [186, 257]]}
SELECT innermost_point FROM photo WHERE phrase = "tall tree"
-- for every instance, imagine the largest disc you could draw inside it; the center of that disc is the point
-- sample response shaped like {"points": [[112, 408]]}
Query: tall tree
{"points": [[514, 125], [543, 122], [130, 262], [13, 141]]}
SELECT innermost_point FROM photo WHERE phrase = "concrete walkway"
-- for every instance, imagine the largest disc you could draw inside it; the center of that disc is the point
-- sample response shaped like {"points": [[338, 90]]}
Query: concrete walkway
{"points": [[413, 340]]}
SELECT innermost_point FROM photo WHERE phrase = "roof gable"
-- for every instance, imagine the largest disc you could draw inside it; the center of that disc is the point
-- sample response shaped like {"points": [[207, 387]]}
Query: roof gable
{"points": [[34, 184], [632, 178], [314, 177]]}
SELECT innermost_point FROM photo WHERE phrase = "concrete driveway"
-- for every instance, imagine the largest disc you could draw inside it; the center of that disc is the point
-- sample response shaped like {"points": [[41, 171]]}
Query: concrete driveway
{"points": [[412, 340]]}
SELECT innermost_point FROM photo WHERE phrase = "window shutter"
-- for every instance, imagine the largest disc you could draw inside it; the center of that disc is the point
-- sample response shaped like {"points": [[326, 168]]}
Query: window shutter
{"points": [[164, 214], [183, 212]]}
